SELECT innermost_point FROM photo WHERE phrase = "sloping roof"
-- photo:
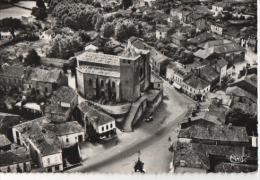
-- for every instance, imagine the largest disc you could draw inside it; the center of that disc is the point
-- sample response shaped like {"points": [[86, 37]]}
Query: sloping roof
{"points": [[14, 157], [4, 141], [49, 32], [44, 140], [157, 56], [213, 43], [204, 54], [99, 58], [227, 48], [64, 94], [139, 44], [43, 75], [12, 71], [95, 116], [66, 128], [246, 108], [210, 111], [196, 82], [215, 132], [237, 91], [222, 62], [225, 99], [208, 73], [201, 38], [6, 119], [129, 53], [197, 155]]}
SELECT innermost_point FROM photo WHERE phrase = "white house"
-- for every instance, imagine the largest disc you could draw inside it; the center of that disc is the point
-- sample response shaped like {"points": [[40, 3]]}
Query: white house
{"points": [[45, 140], [103, 124], [5, 36], [47, 35]]}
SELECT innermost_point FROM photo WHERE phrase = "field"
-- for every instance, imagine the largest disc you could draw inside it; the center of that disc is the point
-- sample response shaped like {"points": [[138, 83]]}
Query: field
{"points": [[17, 12]]}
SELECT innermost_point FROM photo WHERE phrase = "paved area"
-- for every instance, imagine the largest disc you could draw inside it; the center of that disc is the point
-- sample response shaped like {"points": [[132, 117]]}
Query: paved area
{"points": [[151, 138]]}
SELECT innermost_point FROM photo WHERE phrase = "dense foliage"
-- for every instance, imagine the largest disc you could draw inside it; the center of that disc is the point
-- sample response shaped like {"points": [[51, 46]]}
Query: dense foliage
{"points": [[11, 25], [32, 58], [78, 16], [64, 46]]}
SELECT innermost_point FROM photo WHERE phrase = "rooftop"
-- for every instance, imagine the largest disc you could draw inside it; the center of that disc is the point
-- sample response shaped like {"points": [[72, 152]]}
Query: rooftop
{"points": [[14, 157], [196, 82], [64, 94], [237, 91], [44, 134], [12, 71], [201, 38], [208, 73], [210, 111], [43, 75], [95, 116], [99, 58], [215, 132], [197, 155], [157, 56], [4, 141], [100, 71]]}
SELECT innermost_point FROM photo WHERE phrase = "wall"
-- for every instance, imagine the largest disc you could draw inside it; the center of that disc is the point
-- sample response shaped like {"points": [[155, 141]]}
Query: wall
{"points": [[189, 170], [55, 159], [113, 123], [53, 62], [13, 167], [73, 139], [80, 82]]}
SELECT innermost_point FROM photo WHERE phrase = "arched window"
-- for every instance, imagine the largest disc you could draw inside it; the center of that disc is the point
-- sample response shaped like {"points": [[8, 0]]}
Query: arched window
{"points": [[90, 82], [113, 84], [141, 72]]}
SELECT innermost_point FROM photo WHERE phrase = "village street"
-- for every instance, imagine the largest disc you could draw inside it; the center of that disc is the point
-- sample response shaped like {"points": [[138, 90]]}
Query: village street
{"points": [[152, 139]]}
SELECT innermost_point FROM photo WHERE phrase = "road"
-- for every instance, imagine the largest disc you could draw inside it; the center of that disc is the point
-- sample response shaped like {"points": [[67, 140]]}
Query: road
{"points": [[151, 138]]}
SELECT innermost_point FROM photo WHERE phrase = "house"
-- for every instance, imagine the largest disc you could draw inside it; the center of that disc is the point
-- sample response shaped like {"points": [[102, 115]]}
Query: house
{"points": [[5, 144], [156, 82], [6, 122], [46, 24], [28, 19], [158, 62], [179, 39], [223, 68], [240, 95], [47, 35], [195, 87], [219, 7], [213, 134], [43, 81], [201, 38], [193, 157], [201, 24], [97, 124], [172, 68], [15, 161], [208, 74], [249, 38], [11, 77], [162, 32], [192, 18], [91, 48], [219, 28], [209, 112], [124, 13], [224, 99], [173, 21], [45, 141], [100, 75], [247, 83], [185, 16], [6, 36], [226, 49], [63, 103]]}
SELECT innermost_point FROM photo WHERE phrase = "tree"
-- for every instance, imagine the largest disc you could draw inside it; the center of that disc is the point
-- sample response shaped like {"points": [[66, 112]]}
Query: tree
{"points": [[39, 13], [32, 58], [84, 36], [40, 4], [127, 3], [108, 30], [120, 31], [11, 25]]}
